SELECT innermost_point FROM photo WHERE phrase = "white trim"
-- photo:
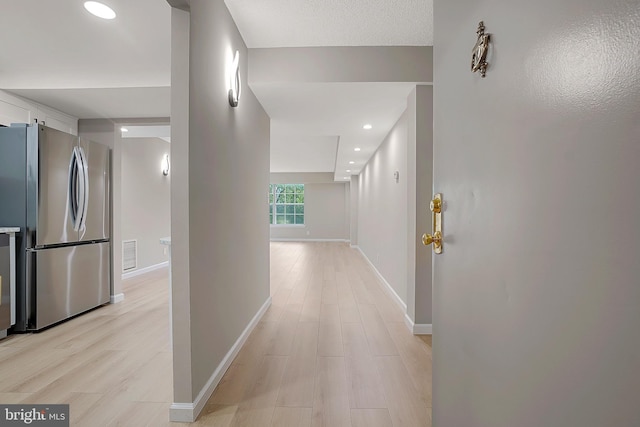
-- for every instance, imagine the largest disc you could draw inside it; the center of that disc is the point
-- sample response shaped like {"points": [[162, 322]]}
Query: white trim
{"points": [[117, 298], [181, 413], [277, 239], [408, 322], [387, 287], [418, 329], [134, 273], [423, 329], [188, 412], [415, 329]]}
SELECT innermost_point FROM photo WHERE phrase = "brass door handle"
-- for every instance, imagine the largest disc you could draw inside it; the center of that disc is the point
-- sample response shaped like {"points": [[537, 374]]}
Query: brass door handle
{"points": [[435, 238]]}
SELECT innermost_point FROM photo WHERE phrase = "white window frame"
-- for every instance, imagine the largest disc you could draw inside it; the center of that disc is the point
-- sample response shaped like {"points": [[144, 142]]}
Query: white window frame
{"points": [[272, 189]]}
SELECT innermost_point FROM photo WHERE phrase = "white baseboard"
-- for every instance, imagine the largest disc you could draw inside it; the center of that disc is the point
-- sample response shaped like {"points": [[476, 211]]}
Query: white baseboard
{"points": [[415, 329], [418, 329], [117, 298], [134, 273], [277, 239], [188, 412], [423, 329], [181, 413], [387, 287]]}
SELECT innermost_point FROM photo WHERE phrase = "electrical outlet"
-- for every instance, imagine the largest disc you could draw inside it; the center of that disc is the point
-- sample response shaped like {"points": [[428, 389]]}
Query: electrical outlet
{"points": [[308, 232], [164, 250]]}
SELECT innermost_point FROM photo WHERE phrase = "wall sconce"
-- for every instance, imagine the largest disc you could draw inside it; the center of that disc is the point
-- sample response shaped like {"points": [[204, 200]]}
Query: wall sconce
{"points": [[165, 165], [234, 80]]}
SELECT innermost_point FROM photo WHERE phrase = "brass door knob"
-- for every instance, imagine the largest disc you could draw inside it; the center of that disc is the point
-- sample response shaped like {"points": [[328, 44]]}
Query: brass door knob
{"points": [[436, 239]]}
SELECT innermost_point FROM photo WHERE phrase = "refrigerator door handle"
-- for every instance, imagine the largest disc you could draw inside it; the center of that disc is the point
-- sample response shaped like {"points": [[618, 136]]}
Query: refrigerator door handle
{"points": [[84, 189], [73, 189]]}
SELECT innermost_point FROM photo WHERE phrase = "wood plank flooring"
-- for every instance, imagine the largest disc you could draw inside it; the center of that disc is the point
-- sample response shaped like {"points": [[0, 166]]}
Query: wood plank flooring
{"points": [[112, 365], [332, 350]]}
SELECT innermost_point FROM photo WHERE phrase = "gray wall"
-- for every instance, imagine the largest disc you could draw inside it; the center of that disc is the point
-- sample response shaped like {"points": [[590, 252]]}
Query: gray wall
{"points": [[537, 293], [419, 195], [390, 217], [326, 213], [342, 64], [228, 173], [382, 209], [146, 198], [180, 194]]}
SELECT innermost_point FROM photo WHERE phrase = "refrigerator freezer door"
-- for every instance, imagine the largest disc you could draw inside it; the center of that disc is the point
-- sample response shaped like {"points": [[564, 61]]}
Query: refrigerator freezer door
{"points": [[96, 218], [69, 280], [54, 153]]}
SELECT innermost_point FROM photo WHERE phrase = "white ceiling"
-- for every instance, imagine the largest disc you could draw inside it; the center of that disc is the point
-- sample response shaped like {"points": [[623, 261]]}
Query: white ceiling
{"points": [[307, 119], [294, 23], [315, 116], [56, 53], [67, 57], [147, 131], [90, 103]]}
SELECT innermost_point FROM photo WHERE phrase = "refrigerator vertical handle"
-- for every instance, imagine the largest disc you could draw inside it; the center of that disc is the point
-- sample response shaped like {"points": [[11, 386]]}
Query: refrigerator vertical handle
{"points": [[73, 189], [84, 178]]}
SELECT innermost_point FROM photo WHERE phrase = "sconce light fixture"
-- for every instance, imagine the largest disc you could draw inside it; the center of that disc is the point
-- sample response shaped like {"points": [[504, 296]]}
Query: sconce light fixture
{"points": [[165, 165], [234, 80]]}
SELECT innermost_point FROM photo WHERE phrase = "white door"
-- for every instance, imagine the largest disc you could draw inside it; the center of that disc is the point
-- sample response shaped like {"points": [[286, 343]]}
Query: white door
{"points": [[537, 294]]}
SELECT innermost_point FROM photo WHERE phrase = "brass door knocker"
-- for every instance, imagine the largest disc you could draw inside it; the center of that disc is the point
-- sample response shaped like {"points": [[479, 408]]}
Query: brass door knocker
{"points": [[479, 58]]}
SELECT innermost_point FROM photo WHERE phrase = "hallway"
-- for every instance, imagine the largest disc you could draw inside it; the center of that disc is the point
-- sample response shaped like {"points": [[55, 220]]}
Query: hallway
{"points": [[333, 350]]}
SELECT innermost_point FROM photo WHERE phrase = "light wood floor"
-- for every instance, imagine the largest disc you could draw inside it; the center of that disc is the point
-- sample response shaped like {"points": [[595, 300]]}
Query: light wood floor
{"points": [[332, 350]]}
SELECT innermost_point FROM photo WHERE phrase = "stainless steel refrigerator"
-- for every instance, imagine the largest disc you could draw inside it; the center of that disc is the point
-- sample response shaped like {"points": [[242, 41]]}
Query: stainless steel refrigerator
{"points": [[56, 188]]}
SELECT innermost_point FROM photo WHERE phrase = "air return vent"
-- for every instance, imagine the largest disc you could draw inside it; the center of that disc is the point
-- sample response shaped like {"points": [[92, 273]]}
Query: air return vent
{"points": [[129, 255]]}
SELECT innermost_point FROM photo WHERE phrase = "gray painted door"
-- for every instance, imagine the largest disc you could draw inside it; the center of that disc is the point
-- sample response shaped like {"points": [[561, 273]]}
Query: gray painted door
{"points": [[537, 294]]}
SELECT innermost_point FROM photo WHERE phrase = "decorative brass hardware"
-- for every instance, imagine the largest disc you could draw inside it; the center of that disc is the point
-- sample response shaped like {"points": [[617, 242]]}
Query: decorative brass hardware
{"points": [[435, 238], [479, 52], [436, 204]]}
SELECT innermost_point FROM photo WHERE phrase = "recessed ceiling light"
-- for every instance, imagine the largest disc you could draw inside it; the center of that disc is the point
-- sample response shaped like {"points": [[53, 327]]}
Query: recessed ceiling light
{"points": [[367, 127], [352, 162], [346, 177], [123, 129], [348, 170], [356, 149], [100, 10]]}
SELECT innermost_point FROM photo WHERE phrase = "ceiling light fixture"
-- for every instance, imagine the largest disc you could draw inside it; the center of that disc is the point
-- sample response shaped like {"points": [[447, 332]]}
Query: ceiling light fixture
{"points": [[367, 127], [123, 129], [346, 177], [352, 162], [99, 9], [348, 170], [356, 149]]}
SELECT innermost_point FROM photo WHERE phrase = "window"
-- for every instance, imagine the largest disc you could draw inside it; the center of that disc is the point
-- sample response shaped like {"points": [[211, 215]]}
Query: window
{"points": [[286, 204]]}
